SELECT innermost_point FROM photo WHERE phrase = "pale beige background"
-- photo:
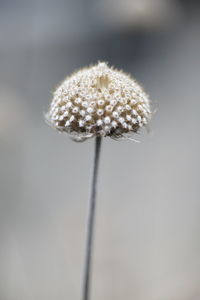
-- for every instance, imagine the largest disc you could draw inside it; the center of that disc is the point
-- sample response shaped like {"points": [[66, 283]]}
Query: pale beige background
{"points": [[147, 244]]}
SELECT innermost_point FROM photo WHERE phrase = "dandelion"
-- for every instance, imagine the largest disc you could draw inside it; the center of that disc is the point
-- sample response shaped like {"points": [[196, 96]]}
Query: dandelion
{"points": [[99, 93], [98, 101]]}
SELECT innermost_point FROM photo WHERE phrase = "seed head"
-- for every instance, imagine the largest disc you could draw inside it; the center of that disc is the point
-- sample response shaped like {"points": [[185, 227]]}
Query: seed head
{"points": [[99, 101]]}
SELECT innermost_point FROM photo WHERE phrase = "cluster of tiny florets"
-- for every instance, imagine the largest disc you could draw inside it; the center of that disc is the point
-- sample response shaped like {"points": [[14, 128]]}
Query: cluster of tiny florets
{"points": [[99, 101]]}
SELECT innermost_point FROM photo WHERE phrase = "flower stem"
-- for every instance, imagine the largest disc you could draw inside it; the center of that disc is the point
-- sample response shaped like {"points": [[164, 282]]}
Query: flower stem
{"points": [[91, 221]]}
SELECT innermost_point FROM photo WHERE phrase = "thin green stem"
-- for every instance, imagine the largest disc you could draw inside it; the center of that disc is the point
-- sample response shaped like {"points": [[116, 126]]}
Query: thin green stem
{"points": [[91, 222]]}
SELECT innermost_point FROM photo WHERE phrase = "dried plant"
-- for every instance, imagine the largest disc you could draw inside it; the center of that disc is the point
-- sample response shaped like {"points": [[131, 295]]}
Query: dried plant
{"points": [[98, 101]]}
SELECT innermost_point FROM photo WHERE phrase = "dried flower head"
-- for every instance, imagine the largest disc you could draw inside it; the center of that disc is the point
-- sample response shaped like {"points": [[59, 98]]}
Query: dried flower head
{"points": [[99, 101]]}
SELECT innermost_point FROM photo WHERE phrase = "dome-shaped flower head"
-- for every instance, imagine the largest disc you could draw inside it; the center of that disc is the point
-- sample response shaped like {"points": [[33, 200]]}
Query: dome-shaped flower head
{"points": [[99, 101]]}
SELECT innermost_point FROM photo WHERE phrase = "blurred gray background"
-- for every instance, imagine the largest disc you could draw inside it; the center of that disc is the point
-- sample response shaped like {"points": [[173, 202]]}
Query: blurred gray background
{"points": [[147, 244]]}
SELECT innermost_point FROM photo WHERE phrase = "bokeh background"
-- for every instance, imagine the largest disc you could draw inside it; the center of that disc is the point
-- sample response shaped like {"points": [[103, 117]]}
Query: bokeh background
{"points": [[147, 244]]}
